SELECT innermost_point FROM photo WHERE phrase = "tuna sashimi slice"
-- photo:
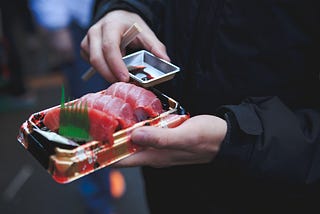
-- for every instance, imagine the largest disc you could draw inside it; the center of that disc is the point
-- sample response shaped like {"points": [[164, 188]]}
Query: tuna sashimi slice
{"points": [[144, 103], [114, 106], [102, 125]]}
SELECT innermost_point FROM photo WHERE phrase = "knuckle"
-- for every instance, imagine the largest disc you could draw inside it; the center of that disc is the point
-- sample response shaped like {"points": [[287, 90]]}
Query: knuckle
{"points": [[94, 59], [162, 141], [92, 30], [84, 44], [107, 46], [105, 24]]}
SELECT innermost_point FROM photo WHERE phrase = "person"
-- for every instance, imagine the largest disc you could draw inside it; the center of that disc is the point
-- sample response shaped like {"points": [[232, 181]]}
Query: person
{"points": [[249, 79]]}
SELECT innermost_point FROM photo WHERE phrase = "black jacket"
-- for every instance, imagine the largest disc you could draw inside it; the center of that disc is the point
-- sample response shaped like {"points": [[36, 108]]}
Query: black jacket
{"points": [[256, 64]]}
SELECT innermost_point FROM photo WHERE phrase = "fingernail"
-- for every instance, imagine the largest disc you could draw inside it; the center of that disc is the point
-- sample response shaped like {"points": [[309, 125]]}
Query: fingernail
{"points": [[123, 77]]}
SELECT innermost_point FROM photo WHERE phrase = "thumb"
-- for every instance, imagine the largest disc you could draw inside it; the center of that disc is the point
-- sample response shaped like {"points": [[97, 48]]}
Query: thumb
{"points": [[160, 138]]}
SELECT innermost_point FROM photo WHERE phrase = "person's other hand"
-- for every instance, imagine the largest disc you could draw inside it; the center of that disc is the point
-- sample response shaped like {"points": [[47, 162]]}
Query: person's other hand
{"points": [[195, 141], [101, 46]]}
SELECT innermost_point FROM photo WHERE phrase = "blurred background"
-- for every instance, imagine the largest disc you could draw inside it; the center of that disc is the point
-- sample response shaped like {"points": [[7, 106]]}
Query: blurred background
{"points": [[39, 52]]}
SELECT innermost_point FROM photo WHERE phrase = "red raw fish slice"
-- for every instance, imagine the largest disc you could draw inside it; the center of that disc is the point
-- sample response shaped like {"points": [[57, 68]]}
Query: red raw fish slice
{"points": [[102, 125], [114, 106], [144, 102], [90, 99]]}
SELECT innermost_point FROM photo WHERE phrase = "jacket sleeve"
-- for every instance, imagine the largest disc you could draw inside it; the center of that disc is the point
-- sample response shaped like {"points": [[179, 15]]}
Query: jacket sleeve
{"points": [[272, 141], [149, 10]]}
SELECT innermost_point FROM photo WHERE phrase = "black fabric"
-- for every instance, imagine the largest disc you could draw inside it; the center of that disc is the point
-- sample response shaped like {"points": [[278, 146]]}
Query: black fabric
{"points": [[257, 63]]}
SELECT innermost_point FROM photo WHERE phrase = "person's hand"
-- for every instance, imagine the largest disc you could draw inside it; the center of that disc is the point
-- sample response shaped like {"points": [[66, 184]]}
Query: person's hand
{"points": [[195, 141], [101, 45]]}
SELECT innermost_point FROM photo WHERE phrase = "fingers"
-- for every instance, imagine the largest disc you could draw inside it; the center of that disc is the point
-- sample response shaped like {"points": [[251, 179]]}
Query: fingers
{"points": [[93, 53], [112, 53], [161, 158], [84, 52], [96, 55], [100, 48], [155, 158], [153, 45], [195, 141], [101, 45], [160, 138], [196, 133], [147, 157]]}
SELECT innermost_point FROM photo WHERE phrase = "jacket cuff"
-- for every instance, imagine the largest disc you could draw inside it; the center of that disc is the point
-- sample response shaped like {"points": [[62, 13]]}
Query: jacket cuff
{"points": [[243, 127], [128, 5]]}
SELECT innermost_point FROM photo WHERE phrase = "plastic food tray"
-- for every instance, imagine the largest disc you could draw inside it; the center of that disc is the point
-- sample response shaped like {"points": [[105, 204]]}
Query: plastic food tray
{"points": [[66, 161]]}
